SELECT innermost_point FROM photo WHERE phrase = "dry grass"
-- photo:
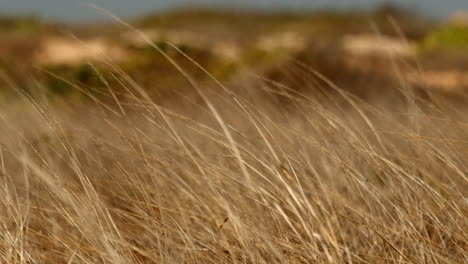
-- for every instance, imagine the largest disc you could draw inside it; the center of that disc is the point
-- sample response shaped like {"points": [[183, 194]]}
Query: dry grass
{"points": [[253, 173]]}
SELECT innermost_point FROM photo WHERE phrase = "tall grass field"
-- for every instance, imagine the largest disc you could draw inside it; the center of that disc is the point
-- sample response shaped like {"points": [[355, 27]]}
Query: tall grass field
{"points": [[246, 171]]}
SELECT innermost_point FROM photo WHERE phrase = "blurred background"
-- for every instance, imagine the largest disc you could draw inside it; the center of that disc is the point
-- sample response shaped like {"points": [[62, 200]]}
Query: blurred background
{"points": [[73, 10], [351, 42]]}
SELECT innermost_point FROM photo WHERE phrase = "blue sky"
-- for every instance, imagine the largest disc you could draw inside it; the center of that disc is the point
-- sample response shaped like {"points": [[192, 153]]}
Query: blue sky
{"points": [[74, 10]]}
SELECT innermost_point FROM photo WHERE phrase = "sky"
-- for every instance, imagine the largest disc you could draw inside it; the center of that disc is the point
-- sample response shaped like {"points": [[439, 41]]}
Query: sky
{"points": [[78, 11]]}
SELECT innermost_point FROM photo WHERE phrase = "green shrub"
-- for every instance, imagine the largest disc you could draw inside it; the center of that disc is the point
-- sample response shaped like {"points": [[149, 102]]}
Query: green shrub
{"points": [[83, 75], [448, 37]]}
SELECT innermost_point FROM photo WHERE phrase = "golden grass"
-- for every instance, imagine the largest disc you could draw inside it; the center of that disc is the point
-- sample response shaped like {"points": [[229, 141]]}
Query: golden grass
{"points": [[252, 173]]}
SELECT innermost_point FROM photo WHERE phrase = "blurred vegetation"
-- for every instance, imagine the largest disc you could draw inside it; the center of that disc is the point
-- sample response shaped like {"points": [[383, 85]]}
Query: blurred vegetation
{"points": [[388, 19], [447, 37], [83, 75], [243, 29], [24, 24]]}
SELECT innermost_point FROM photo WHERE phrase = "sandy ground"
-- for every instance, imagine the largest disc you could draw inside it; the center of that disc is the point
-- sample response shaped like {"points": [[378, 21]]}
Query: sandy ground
{"points": [[55, 51], [378, 45]]}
